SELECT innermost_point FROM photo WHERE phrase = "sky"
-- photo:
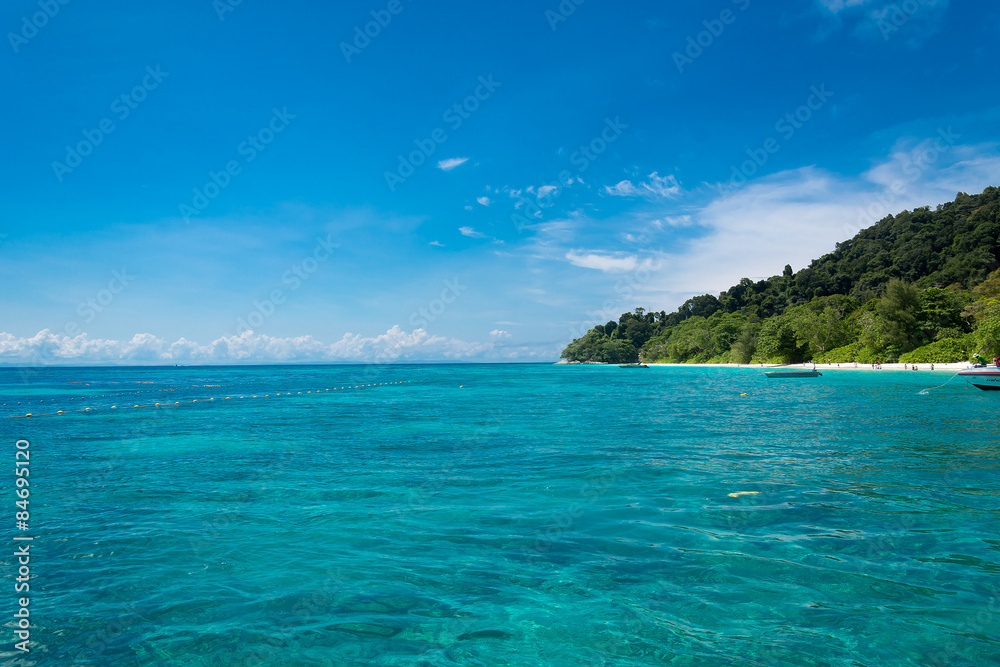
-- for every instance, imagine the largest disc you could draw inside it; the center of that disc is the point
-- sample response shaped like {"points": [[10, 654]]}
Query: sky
{"points": [[400, 180]]}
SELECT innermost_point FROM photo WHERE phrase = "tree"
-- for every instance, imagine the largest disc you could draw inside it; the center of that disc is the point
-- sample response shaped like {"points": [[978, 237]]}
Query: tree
{"points": [[776, 342], [746, 344], [618, 352], [940, 314], [700, 306], [822, 325], [898, 310]]}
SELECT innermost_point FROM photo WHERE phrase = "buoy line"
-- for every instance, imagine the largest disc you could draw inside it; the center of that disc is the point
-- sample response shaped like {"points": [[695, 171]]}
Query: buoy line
{"points": [[137, 391], [204, 400], [108, 393]]}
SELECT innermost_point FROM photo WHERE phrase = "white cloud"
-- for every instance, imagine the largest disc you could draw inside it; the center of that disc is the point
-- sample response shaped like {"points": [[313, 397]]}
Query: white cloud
{"points": [[485, 201], [47, 348], [657, 187], [451, 163], [609, 262], [546, 190], [471, 233], [837, 6], [676, 221], [436, 243]]}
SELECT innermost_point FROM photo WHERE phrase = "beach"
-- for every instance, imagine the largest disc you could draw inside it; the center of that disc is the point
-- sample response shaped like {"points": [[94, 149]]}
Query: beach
{"points": [[957, 366], [829, 367]]}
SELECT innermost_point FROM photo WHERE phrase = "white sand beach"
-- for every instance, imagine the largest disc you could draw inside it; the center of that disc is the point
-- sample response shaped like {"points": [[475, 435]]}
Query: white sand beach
{"points": [[832, 367]]}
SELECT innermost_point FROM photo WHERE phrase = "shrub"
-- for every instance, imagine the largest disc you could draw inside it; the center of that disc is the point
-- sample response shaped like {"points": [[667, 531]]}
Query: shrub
{"points": [[942, 351]]}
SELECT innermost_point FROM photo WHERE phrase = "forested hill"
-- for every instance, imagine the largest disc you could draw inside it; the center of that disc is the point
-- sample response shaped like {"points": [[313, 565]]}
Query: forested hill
{"points": [[919, 286]]}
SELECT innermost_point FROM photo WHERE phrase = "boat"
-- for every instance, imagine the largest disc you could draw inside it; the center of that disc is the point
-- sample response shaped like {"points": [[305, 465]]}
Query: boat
{"points": [[982, 376], [793, 374], [632, 366]]}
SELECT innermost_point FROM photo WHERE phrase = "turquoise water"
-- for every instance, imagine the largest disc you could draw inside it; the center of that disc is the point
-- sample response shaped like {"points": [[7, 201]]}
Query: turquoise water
{"points": [[505, 515]]}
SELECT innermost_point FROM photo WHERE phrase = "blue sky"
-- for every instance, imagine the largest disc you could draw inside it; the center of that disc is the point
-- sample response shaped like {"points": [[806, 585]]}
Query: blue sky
{"points": [[214, 182]]}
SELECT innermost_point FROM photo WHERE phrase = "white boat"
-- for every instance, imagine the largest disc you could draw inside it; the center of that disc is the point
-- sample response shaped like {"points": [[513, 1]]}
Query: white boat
{"points": [[982, 376]]}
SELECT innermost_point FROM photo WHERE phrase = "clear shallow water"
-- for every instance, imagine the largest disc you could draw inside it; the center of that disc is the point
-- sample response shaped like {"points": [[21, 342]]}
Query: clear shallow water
{"points": [[538, 515]]}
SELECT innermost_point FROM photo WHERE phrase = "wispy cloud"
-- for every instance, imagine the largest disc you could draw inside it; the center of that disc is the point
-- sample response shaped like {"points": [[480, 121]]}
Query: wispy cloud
{"points": [[498, 333], [485, 201], [451, 163], [656, 187], [436, 243], [471, 233], [608, 262]]}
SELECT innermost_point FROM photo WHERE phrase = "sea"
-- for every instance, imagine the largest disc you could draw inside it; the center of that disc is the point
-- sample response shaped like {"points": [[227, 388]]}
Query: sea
{"points": [[456, 515]]}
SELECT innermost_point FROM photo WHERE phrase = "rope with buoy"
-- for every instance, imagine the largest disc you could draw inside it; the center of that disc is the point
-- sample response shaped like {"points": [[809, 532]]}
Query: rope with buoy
{"points": [[203, 399], [924, 392]]}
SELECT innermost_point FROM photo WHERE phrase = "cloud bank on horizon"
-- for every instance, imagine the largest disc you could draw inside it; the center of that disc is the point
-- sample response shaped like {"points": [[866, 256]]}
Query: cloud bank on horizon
{"points": [[395, 345], [486, 208]]}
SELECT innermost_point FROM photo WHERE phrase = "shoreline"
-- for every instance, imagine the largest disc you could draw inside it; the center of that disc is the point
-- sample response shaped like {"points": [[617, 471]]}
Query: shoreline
{"points": [[850, 366]]}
